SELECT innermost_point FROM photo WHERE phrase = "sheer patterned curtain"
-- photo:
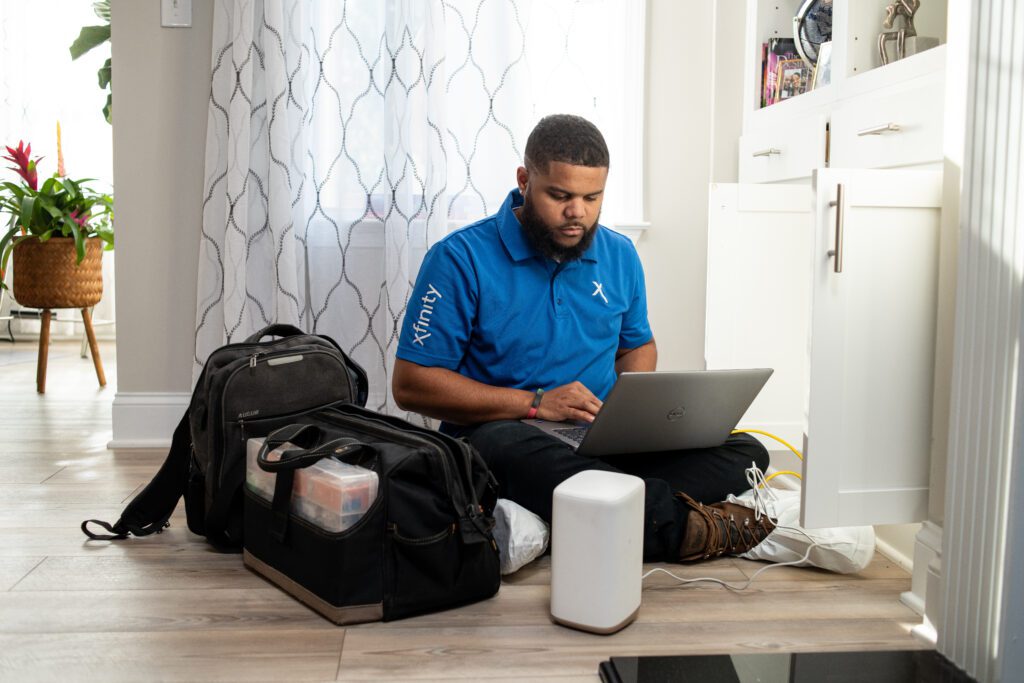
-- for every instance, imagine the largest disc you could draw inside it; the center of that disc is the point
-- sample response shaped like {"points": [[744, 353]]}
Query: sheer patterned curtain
{"points": [[344, 138]]}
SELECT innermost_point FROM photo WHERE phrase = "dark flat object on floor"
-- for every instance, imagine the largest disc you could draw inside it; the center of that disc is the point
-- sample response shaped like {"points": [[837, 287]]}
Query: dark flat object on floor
{"points": [[885, 666]]}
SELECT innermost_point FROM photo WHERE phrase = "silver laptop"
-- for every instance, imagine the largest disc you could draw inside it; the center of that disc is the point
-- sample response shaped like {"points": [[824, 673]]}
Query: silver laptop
{"points": [[646, 412]]}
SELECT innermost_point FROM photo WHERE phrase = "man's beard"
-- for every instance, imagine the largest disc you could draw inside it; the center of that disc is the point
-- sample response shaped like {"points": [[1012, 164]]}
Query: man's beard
{"points": [[542, 236]]}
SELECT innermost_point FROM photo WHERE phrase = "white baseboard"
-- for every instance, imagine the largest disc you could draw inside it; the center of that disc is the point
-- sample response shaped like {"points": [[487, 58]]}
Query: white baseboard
{"points": [[927, 547], [146, 420], [925, 633], [890, 551]]}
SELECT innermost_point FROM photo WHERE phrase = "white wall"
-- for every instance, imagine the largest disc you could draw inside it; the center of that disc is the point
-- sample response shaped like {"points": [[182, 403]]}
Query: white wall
{"points": [[678, 170], [727, 115], [162, 81], [694, 119], [161, 91]]}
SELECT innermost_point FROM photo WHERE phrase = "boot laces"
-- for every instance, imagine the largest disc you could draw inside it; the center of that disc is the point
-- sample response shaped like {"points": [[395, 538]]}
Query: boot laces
{"points": [[726, 532]]}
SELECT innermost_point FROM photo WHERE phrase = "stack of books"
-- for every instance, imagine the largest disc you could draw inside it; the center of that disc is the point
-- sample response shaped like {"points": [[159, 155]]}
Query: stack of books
{"points": [[783, 73]]}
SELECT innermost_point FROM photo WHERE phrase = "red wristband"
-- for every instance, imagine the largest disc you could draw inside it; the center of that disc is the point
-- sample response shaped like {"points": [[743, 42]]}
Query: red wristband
{"points": [[532, 412]]}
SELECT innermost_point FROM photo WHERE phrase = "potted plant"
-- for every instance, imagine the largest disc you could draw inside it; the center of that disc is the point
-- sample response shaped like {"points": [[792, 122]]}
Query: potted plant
{"points": [[55, 235], [56, 232]]}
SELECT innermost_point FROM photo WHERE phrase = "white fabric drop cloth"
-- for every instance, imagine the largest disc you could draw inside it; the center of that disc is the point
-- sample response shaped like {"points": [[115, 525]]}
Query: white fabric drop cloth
{"points": [[844, 550]]}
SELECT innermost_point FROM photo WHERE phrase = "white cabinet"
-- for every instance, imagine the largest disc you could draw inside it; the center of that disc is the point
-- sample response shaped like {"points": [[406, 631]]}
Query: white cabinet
{"points": [[853, 351], [872, 346]]}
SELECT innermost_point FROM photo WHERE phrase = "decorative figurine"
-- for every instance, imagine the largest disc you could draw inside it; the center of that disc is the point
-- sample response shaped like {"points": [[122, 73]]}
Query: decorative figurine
{"points": [[900, 11]]}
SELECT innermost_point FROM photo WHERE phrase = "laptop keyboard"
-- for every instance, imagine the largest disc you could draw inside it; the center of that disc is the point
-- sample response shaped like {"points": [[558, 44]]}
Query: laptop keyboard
{"points": [[573, 433]]}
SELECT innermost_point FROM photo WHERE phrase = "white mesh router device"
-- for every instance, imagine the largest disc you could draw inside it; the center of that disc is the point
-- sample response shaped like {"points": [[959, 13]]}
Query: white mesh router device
{"points": [[597, 551]]}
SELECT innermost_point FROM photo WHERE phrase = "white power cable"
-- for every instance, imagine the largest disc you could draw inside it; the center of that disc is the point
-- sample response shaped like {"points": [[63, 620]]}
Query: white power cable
{"points": [[764, 506]]}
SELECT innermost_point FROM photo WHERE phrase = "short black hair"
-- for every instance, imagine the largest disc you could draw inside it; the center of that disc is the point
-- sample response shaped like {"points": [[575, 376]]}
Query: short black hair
{"points": [[566, 138]]}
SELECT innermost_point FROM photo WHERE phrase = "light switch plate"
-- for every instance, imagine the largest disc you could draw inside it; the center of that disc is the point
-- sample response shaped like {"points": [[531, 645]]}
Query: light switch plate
{"points": [[176, 13]]}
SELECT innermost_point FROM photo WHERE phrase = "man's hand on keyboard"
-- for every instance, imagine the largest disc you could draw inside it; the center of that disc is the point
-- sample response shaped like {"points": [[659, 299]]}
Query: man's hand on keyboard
{"points": [[569, 402]]}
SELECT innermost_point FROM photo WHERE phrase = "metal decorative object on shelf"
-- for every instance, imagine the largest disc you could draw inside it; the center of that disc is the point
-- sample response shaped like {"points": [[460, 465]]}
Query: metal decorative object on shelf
{"points": [[899, 25], [812, 26]]}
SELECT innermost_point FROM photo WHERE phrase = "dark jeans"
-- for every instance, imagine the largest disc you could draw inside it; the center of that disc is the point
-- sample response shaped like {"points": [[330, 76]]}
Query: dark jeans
{"points": [[529, 464]]}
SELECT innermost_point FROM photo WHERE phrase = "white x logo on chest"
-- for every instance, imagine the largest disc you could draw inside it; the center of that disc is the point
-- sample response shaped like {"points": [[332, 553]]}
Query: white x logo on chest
{"points": [[599, 290]]}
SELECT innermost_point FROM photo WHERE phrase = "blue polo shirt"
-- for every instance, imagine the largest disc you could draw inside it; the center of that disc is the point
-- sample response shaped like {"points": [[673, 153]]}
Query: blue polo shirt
{"points": [[491, 307]]}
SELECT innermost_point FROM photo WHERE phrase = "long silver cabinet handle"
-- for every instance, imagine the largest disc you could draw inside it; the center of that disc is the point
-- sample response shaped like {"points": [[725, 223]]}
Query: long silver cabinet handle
{"points": [[837, 253], [878, 130], [771, 151]]}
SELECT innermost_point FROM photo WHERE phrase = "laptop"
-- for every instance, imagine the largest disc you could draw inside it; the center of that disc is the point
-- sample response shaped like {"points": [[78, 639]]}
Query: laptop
{"points": [[647, 412]]}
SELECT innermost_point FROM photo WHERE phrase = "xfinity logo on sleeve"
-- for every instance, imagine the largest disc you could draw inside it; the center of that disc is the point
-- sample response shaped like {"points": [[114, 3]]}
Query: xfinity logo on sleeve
{"points": [[421, 328]]}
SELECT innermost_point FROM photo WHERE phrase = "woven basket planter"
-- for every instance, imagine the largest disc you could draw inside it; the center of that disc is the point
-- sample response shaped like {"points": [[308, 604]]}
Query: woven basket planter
{"points": [[46, 275]]}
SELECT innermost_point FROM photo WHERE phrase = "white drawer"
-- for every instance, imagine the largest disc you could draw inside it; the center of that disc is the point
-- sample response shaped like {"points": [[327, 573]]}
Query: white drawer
{"points": [[788, 150], [898, 126]]}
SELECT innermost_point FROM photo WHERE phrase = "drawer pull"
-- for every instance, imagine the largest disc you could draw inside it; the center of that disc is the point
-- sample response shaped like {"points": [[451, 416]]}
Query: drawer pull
{"points": [[878, 130], [771, 151], [837, 253]]}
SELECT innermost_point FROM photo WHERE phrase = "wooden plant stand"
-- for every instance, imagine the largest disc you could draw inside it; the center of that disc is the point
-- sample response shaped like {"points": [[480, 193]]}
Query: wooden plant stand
{"points": [[47, 275], [44, 346]]}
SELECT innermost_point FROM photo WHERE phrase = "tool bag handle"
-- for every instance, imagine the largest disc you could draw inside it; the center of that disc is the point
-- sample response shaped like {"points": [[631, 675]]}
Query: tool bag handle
{"points": [[311, 448]]}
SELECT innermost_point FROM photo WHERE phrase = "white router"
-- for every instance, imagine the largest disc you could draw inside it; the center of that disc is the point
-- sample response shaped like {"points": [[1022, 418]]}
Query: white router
{"points": [[597, 525]]}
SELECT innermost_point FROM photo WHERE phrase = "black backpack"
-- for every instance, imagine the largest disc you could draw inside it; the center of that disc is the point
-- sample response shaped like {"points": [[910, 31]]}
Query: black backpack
{"points": [[246, 390]]}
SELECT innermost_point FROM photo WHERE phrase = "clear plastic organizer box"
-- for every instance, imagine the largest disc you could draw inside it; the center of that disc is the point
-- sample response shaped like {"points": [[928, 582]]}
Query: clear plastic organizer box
{"points": [[330, 494]]}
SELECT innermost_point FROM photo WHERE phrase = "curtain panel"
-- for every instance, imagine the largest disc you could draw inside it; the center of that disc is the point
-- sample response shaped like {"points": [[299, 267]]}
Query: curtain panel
{"points": [[344, 138]]}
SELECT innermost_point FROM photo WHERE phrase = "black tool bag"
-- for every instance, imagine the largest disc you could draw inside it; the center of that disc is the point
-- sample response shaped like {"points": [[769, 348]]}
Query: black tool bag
{"points": [[423, 545], [246, 390]]}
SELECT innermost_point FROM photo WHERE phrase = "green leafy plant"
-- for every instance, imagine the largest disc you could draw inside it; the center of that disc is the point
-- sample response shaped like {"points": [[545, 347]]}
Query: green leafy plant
{"points": [[91, 37], [60, 207]]}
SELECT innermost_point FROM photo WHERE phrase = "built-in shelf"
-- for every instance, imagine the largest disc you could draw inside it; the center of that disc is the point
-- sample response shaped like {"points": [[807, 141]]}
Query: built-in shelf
{"points": [[856, 63]]}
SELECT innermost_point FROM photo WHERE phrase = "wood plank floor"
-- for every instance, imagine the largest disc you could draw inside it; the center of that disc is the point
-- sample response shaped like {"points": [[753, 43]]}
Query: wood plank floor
{"points": [[168, 608]]}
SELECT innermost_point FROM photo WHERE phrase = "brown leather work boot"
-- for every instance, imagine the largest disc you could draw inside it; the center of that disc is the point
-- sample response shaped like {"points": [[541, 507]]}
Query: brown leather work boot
{"points": [[719, 529]]}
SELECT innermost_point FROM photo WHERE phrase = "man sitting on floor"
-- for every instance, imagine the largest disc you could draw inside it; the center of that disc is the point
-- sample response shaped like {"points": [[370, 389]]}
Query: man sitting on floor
{"points": [[533, 312]]}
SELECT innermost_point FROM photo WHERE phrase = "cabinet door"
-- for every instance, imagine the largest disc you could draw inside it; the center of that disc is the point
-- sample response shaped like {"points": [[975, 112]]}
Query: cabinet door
{"points": [[872, 355], [758, 296]]}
